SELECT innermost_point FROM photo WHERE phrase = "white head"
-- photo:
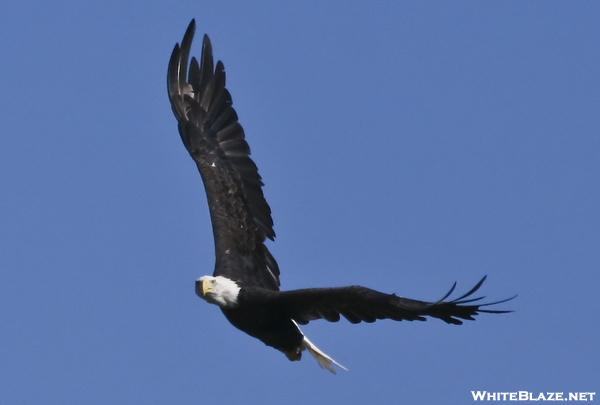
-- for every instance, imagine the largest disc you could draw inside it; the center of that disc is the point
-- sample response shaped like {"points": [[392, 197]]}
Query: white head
{"points": [[218, 290]]}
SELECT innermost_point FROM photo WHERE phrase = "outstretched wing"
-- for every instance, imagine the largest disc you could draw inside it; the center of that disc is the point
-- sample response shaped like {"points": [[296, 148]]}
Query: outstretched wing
{"points": [[210, 131], [360, 304]]}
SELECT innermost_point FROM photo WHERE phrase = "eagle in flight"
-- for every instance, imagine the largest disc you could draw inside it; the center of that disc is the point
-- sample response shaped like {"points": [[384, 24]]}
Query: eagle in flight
{"points": [[245, 282]]}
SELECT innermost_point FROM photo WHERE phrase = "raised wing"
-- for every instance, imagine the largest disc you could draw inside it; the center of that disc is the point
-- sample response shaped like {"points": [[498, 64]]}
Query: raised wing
{"points": [[210, 131], [359, 304]]}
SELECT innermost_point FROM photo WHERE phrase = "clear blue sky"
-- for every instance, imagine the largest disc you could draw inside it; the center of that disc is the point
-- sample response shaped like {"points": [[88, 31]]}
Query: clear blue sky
{"points": [[404, 146]]}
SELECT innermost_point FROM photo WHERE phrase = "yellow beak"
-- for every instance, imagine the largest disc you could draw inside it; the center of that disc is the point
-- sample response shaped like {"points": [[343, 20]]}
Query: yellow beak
{"points": [[206, 287]]}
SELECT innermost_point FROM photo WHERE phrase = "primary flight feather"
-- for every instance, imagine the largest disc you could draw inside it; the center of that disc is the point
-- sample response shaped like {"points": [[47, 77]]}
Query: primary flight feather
{"points": [[245, 282]]}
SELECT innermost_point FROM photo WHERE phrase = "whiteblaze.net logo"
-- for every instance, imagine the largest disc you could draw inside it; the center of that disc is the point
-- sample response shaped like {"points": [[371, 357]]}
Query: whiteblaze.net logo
{"points": [[530, 396]]}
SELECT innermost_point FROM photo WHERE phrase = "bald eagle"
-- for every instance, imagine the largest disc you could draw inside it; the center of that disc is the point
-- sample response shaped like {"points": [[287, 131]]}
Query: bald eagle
{"points": [[245, 282]]}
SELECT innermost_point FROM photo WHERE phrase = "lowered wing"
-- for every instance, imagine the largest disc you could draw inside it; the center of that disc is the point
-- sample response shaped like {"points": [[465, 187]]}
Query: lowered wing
{"points": [[360, 304]]}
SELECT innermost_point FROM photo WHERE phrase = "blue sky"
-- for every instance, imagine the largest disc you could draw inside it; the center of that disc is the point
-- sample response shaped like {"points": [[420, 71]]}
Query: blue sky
{"points": [[404, 146]]}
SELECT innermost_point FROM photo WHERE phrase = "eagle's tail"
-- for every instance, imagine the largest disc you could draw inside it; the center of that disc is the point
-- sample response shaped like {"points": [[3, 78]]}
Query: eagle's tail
{"points": [[324, 360]]}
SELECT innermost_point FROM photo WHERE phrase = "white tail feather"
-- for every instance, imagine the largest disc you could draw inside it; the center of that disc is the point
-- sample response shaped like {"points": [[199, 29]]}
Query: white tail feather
{"points": [[324, 360]]}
